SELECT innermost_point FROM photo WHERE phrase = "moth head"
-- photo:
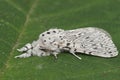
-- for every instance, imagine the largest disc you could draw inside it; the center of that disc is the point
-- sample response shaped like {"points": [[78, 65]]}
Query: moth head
{"points": [[43, 52]]}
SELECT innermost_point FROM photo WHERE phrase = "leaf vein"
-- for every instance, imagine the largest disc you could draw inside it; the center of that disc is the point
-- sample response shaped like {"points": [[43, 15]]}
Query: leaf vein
{"points": [[71, 10], [19, 38], [6, 42], [10, 25], [15, 6]]}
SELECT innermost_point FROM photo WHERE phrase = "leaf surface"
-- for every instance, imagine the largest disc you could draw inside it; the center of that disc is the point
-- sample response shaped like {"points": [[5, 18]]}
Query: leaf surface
{"points": [[21, 21]]}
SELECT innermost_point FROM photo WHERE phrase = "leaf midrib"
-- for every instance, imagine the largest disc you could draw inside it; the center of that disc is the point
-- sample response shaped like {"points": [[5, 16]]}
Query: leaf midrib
{"points": [[24, 27]]}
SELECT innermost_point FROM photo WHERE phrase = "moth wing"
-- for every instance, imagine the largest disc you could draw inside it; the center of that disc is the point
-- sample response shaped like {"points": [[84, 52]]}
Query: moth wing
{"points": [[97, 43], [103, 31]]}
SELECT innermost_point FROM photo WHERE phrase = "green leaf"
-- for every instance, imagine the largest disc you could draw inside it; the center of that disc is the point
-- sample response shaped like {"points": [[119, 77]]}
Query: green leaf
{"points": [[21, 21]]}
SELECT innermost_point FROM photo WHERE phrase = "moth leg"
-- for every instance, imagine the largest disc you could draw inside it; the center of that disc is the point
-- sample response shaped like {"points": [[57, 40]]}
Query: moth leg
{"points": [[24, 55], [25, 48], [55, 54], [45, 54], [72, 52], [77, 56]]}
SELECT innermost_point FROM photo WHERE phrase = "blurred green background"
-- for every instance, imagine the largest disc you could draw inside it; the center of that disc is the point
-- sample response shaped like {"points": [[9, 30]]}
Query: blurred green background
{"points": [[21, 21]]}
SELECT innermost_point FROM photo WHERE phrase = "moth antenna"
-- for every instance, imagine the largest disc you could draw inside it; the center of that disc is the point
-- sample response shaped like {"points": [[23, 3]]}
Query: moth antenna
{"points": [[77, 56]]}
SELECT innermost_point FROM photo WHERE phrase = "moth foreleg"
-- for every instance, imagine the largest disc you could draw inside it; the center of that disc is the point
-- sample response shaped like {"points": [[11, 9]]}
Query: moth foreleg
{"points": [[25, 48], [25, 55]]}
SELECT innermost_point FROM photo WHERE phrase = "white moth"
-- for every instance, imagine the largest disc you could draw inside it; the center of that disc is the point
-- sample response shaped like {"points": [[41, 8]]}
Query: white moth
{"points": [[91, 41]]}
